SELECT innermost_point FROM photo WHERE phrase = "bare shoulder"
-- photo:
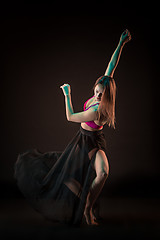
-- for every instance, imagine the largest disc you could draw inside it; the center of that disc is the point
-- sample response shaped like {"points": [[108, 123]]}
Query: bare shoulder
{"points": [[93, 108], [90, 101]]}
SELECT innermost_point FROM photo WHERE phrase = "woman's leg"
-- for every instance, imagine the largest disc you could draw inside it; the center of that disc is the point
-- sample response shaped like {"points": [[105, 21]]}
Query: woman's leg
{"points": [[102, 170]]}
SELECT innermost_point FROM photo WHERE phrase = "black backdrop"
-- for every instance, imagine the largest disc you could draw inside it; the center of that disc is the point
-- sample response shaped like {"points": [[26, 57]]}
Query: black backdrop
{"points": [[44, 46]]}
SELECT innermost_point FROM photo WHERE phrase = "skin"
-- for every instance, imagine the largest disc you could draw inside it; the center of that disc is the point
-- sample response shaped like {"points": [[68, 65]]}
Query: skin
{"points": [[90, 114], [98, 92], [96, 99], [101, 164]]}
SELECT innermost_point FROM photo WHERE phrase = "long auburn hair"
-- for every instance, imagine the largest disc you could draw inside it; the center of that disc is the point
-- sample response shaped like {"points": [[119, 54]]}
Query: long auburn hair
{"points": [[106, 109]]}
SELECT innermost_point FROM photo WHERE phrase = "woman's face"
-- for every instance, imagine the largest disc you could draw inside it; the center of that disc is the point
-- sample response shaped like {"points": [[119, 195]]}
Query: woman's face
{"points": [[98, 92]]}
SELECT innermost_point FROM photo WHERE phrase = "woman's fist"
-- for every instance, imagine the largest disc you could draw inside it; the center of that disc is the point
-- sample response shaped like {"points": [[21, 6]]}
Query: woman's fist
{"points": [[125, 37], [66, 89]]}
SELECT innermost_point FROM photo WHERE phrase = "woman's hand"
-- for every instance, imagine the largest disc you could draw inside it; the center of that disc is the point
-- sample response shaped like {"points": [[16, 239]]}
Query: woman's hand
{"points": [[125, 37], [66, 89]]}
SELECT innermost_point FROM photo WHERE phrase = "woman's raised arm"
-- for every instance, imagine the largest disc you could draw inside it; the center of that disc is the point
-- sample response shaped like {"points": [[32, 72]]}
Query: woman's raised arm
{"points": [[125, 37]]}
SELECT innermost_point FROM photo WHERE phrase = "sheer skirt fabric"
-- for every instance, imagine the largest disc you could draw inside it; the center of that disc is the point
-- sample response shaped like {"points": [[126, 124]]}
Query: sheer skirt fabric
{"points": [[57, 183]]}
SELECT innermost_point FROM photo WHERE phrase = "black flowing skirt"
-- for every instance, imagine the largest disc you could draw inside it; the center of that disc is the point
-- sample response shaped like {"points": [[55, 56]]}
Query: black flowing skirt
{"points": [[57, 183]]}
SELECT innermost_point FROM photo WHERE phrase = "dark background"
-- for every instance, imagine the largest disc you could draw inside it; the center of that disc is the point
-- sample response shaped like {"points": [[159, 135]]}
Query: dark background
{"points": [[44, 46]]}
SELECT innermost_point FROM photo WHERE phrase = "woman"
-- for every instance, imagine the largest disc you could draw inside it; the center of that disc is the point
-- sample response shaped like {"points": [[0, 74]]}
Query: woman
{"points": [[63, 186]]}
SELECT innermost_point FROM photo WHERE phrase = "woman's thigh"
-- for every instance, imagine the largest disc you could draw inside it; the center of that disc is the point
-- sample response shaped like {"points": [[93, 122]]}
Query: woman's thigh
{"points": [[101, 163]]}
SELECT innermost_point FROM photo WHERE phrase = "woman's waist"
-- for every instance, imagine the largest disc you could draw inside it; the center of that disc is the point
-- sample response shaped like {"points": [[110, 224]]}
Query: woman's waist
{"points": [[86, 131], [91, 127]]}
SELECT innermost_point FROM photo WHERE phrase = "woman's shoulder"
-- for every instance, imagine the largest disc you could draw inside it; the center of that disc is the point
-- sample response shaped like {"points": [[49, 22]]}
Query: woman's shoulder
{"points": [[89, 101]]}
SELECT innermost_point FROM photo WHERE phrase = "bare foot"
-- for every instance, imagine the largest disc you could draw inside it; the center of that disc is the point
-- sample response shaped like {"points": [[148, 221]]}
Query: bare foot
{"points": [[90, 219], [93, 216]]}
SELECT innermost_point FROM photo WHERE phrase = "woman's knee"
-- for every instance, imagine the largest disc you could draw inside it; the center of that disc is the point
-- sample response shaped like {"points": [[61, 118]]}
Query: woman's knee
{"points": [[103, 174]]}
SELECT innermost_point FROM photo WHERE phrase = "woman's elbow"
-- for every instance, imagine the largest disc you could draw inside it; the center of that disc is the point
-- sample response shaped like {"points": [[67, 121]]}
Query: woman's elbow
{"points": [[69, 118], [73, 118]]}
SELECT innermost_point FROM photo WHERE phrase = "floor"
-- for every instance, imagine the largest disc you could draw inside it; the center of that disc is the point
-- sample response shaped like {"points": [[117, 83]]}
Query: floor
{"points": [[122, 218]]}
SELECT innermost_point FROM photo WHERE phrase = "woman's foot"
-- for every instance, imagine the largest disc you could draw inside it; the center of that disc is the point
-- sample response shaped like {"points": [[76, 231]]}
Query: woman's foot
{"points": [[90, 218]]}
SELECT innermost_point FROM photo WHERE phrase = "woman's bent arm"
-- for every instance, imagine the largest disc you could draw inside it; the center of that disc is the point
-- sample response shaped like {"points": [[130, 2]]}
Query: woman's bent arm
{"points": [[89, 115], [85, 116]]}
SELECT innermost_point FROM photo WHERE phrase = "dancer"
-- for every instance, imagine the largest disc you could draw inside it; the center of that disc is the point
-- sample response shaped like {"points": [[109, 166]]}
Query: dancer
{"points": [[63, 186]]}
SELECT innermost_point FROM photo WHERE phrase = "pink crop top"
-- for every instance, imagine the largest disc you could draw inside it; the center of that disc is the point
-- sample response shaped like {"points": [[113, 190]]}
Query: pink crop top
{"points": [[91, 124]]}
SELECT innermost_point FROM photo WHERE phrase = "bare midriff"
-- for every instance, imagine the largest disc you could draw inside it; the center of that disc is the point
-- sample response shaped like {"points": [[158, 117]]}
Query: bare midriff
{"points": [[86, 127]]}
